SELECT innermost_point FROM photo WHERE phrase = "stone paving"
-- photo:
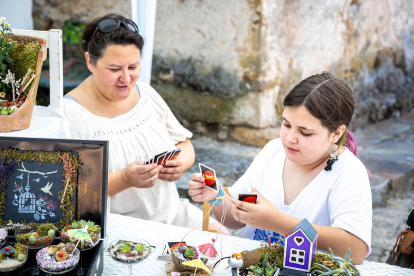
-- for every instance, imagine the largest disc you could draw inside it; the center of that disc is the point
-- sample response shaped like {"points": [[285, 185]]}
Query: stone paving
{"points": [[385, 148]]}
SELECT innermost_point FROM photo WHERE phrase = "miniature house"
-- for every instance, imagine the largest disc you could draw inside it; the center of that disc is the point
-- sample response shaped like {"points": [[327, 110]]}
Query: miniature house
{"points": [[300, 248]]}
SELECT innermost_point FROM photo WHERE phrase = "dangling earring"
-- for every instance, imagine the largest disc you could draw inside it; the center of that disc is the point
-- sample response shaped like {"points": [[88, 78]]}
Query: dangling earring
{"points": [[333, 156]]}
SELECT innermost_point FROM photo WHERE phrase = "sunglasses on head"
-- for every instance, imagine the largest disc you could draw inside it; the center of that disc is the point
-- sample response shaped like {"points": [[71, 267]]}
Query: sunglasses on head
{"points": [[111, 24]]}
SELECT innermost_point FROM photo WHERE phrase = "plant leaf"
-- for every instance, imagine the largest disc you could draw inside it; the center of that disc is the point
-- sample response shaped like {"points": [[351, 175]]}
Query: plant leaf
{"points": [[348, 253], [347, 271], [322, 267]]}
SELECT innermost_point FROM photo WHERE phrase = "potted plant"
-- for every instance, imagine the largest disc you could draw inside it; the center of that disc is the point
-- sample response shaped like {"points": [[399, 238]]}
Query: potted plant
{"points": [[21, 59]]}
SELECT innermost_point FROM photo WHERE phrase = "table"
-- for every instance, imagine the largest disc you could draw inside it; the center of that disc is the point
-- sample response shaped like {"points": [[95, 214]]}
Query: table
{"points": [[122, 227]]}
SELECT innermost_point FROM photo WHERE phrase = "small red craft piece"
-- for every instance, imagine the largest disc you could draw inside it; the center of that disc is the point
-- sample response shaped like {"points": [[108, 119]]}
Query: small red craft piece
{"points": [[60, 255], [214, 240], [9, 103], [66, 224], [7, 248], [132, 255], [67, 229]]}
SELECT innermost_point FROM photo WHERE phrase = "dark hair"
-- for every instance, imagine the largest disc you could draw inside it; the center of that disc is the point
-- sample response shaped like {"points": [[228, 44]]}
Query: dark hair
{"points": [[328, 99], [122, 36]]}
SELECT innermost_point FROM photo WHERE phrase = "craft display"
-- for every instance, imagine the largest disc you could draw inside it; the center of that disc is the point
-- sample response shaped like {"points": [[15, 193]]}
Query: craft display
{"points": [[12, 256], [298, 256], [58, 258], [130, 252], [20, 67], [37, 236], [44, 191], [86, 232], [182, 254]]}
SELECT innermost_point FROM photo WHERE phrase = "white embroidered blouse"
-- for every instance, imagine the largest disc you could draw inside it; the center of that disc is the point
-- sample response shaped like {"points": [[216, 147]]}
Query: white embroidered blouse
{"points": [[147, 129]]}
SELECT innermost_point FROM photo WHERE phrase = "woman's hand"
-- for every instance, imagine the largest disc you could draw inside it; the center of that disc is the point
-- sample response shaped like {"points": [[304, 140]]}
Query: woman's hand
{"points": [[139, 175], [261, 215], [198, 191], [172, 171]]}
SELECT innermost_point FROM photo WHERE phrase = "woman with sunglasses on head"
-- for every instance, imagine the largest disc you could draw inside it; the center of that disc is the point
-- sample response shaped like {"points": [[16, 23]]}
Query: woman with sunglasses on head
{"points": [[311, 172], [111, 105]]}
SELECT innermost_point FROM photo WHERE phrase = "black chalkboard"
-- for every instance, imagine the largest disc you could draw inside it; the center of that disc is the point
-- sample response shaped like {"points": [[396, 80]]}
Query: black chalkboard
{"points": [[32, 192]]}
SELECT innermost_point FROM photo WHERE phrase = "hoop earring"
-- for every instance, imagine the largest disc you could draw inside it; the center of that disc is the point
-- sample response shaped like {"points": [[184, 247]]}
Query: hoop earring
{"points": [[333, 156]]}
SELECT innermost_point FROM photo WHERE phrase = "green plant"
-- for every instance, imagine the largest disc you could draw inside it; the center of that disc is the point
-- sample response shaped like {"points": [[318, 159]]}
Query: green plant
{"points": [[5, 49], [257, 270], [43, 229], [19, 249], [140, 247], [189, 252], [345, 266], [124, 247]]}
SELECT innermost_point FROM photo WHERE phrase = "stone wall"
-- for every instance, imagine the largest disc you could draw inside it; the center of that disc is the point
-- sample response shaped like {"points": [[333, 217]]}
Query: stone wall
{"points": [[52, 14], [232, 62]]}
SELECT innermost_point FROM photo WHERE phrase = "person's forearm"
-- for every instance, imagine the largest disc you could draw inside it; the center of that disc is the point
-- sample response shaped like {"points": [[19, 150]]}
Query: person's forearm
{"points": [[116, 183], [187, 154], [335, 238], [229, 220]]}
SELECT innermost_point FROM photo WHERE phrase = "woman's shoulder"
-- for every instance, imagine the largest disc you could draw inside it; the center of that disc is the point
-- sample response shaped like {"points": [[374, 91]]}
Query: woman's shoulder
{"points": [[349, 162]]}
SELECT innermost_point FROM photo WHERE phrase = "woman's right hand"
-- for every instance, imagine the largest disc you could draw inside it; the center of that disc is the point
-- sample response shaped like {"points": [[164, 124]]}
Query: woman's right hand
{"points": [[198, 191], [139, 175]]}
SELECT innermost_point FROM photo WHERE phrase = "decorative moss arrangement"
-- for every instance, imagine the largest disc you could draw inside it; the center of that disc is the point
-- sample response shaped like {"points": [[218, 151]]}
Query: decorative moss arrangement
{"points": [[24, 55], [19, 249], [43, 229], [273, 254], [94, 231], [71, 161]]}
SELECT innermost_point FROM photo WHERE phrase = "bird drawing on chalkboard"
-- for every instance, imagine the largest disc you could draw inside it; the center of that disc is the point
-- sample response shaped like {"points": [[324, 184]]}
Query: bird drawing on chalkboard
{"points": [[37, 179], [20, 176], [46, 188], [27, 203]]}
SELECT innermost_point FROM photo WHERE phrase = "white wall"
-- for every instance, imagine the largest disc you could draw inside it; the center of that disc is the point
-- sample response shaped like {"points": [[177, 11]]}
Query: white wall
{"points": [[17, 13]]}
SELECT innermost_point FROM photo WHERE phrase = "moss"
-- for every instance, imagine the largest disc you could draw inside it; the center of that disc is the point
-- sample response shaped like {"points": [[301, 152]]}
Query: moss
{"points": [[185, 103], [19, 249], [2, 256], [24, 55], [68, 206], [43, 229]]}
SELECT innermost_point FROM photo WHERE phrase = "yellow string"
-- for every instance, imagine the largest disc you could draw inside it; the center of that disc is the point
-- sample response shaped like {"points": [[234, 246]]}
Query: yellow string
{"points": [[208, 213]]}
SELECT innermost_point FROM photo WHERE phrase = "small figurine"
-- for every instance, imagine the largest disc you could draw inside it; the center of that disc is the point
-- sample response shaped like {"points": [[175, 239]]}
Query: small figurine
{"points": [[207, 250], [235, 262], [300, 249]]}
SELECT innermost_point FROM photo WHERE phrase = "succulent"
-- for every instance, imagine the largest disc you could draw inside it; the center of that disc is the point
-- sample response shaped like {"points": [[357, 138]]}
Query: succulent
{"points": [[76, 224], [140, 247], [190, 253], [32, 239], [256, 270], [51, 232], [344, 264], [124, 247], [82, 223], [21, 257]]}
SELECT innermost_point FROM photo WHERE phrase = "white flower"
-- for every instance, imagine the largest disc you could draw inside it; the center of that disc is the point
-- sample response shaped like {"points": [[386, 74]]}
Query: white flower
{"points": [[7, 24], [1, 21], [2, 18]]}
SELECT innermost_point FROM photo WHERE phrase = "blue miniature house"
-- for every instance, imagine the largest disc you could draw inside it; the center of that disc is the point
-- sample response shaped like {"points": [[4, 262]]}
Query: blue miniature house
{"points": [[300, 248]]}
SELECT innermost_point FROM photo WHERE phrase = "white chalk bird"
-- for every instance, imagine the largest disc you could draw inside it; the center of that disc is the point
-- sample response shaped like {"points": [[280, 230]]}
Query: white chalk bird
{"points": [[235, 262], [46, 188]]}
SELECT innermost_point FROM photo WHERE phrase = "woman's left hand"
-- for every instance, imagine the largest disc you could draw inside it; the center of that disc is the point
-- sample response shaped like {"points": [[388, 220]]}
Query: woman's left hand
{"points": [[172, 171], [262, 215]]}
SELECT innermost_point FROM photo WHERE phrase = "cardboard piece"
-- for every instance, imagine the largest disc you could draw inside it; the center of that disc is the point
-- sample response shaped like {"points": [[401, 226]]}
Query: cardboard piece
{"points": [[251, 257]]}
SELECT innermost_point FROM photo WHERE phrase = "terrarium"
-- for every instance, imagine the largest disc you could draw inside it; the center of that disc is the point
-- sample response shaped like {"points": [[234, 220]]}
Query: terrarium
{"points": [[12, 256], [20, 67], [35, 238], [58, 259], [130, 251]]}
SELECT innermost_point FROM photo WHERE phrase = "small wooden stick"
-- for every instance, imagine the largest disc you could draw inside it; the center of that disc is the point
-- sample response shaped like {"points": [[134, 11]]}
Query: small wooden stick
{"points": [[75, 247], [66, 187]]}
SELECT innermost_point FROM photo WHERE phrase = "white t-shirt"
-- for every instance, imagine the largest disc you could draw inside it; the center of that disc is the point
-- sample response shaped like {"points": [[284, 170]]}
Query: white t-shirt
{"points": [[338, 198], [149, 128]]}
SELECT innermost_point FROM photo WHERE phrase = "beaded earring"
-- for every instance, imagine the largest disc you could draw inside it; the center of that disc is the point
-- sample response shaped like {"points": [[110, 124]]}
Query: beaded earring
{"points": [[333, 156]]}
